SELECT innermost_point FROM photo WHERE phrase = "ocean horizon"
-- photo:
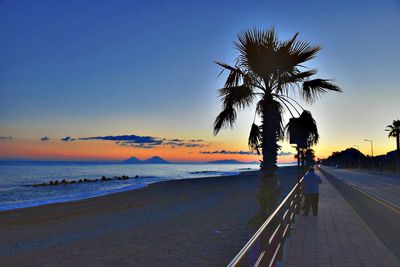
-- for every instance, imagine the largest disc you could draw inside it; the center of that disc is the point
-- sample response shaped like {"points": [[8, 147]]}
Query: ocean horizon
{"points": [[18, 177]]}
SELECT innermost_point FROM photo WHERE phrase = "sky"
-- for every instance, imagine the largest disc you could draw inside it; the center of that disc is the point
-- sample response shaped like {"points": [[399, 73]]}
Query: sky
{"points": [[108, 74]]}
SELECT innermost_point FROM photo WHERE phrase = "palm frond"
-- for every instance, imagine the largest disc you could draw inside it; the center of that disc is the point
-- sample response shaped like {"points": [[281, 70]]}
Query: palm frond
{"points": [[235, 76], [279, 119], [257, 51], [286, 63], [389, 128], [297, 76], [255, 138], [237, 96], [291, 80], [293, 131], [290, 42], [302, 130], [394, 128], [226, 118], [313, 89], [310, 125], [301, 52]]}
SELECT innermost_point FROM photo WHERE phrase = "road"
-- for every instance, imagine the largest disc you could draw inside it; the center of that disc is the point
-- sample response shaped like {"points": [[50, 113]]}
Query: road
{"points": [[385, 187], [375, 198]]}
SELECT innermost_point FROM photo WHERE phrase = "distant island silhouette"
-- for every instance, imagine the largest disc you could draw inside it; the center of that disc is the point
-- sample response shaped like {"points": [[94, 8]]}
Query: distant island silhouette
{"points": [[231, 161], [152, 160], [159, 160]]}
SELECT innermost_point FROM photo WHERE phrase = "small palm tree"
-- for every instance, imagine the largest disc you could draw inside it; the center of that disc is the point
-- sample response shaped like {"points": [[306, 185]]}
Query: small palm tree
{"points": [[303, 132], [394, 131], [268, 71]]}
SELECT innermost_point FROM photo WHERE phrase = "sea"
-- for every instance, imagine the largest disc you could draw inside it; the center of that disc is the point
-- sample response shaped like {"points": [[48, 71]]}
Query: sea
{"points": [[17, 179]]}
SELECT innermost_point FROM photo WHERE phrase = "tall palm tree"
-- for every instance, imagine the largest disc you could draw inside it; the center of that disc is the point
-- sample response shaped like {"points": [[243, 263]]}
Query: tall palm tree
{"points": [[270, 72], [394, 131]]}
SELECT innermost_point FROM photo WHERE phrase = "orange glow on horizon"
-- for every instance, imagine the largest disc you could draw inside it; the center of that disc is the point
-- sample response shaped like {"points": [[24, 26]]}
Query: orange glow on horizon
{"points": [[109, 151]]}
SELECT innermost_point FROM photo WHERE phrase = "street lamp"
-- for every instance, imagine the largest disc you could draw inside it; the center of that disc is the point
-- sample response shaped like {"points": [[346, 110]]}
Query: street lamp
{"points": [[359, 159], [372, 152]]}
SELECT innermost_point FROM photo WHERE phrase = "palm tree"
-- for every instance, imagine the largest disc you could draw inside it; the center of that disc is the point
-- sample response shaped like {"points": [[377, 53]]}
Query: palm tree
{"points": [[303, 132], [270, 72], [310, 157], [394, 131]]}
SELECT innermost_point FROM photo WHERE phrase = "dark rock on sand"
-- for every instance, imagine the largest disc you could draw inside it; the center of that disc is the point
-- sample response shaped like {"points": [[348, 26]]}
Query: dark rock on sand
{"points": [[85, 180]]}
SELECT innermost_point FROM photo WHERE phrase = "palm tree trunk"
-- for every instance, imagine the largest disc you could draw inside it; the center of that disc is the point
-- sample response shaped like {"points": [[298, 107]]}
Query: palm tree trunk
{"points": [[269, 135], [303, 159], [269, 149]]}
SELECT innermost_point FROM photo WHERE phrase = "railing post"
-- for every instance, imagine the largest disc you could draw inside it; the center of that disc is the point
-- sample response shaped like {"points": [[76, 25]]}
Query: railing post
{"points": [[265, 248], [298, 200], [279, 256]]}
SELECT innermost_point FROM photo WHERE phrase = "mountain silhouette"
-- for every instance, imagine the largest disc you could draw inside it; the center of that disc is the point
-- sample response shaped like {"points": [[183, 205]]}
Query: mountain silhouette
{"points": [[152, 160], [155, 160], [132, 160]]}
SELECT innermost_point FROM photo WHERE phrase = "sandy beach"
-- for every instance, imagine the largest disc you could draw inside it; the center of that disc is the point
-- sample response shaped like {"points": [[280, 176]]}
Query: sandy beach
{"points": [[192, 222]]}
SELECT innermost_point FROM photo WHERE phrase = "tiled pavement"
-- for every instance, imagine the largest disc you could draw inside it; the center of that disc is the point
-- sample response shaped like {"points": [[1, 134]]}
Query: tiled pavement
{"points": [[336, 237]]}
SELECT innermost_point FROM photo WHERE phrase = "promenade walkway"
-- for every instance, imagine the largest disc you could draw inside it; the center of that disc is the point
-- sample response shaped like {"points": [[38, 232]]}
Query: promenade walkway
{"points": [[336, 237]]}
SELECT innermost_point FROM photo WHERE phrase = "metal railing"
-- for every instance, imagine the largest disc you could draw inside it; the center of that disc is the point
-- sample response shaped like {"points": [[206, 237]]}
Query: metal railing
{"points": [[266, 245]]}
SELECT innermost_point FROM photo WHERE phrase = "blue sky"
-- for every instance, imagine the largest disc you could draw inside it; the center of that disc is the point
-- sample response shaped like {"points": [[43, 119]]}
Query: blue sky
{"points": [[76, 68]]}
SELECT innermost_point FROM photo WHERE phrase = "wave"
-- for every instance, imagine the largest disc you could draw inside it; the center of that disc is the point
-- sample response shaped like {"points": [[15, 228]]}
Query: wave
{"points": [[202, 172], [76, 197]]}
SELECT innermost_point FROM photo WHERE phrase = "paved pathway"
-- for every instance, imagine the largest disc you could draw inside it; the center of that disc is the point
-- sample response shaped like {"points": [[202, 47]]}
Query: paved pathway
{"points": [[336, 237]]}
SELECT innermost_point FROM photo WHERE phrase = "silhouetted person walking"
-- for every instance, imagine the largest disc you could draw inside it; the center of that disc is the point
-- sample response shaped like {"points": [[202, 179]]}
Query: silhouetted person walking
{"points": [[311, 183]]}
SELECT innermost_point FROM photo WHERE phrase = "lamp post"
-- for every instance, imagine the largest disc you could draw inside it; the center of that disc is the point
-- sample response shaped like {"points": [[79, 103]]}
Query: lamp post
{"points": [[372, 151], [359, 159]]}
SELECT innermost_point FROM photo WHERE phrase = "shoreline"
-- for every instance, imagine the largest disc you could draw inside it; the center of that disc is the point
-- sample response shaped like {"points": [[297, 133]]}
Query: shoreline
{"points": [[151, 226], [116, 191]]}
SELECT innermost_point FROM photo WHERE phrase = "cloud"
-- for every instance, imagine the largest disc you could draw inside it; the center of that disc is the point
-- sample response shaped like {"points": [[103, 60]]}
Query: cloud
{"points": [[67, 139], [127, 138], [183, 143], [147, 141], [5, 137], [146, 146], [154, 142], [176, 140], [194, 145], [227, 152], [135, 145], [44, 138], [283, 153], [241, 152]]}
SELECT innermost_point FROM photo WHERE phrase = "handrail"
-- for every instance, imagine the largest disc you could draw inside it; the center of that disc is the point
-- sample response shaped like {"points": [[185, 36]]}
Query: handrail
{"points": [[266, 256]]}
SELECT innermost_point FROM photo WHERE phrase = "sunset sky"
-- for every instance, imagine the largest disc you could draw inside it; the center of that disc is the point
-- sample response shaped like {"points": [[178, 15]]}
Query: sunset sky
{"points": [[95, 71]]}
